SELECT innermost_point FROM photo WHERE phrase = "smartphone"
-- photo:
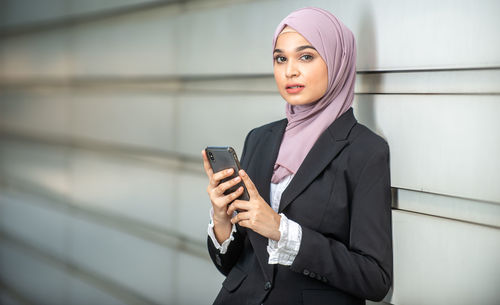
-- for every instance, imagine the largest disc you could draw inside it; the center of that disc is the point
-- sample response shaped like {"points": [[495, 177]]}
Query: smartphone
{"points": [[222, 158]]}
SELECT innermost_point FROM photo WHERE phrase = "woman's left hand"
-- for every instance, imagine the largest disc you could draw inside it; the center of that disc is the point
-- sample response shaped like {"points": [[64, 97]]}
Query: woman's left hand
{"points": [[255, 214]]}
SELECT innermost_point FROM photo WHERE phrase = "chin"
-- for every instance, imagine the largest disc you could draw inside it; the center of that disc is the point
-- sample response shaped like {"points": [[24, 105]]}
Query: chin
{"points": [[298, 102]]}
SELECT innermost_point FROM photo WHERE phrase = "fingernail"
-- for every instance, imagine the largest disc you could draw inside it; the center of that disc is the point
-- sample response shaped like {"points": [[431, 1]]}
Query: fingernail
{"points": [[229, 170], [242, 173], [237, 179]]}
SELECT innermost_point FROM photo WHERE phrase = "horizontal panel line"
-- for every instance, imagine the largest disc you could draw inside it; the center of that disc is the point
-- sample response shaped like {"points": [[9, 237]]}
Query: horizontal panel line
{"points": [[13, 293], [161, 236], [418, 70], [97, 79], [395, 206], [141, 154], [75, 19], [223, 84], [447, 218], [271, 92], [432, 93], [136, 79], [175, 159], [152, 233], [107, 285], [81, 18], [449, 196]]}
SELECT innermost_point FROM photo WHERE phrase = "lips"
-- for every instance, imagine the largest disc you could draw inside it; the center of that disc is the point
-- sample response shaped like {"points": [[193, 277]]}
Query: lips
{"points": [[294, 88]]}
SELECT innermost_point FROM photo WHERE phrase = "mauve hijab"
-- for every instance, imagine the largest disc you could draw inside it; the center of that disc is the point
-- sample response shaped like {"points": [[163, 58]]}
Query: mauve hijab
{"points": [[336, 45]]}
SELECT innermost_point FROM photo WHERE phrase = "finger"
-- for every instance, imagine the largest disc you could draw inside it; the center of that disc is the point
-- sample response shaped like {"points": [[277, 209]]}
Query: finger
{"points": [[206, 164], [221, 188], [240, 216], [245, 223], [238, 205], [226, 201], [252, 190], [230, 198], [218, 176]]}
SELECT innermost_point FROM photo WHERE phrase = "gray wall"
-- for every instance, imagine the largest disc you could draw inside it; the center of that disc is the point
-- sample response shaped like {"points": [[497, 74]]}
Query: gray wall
{"points": [[104, 108]]}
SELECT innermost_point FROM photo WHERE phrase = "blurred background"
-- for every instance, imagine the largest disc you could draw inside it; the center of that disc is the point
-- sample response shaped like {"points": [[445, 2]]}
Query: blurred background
{"points": [[106, 105]]}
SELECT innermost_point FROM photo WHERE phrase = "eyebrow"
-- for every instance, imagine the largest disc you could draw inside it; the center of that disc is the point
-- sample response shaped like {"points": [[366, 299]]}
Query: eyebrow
{"points": [[298, 49]]}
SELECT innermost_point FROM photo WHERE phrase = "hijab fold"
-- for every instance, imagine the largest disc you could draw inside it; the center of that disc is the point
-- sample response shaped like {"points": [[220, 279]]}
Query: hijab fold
{"points": [[336, 45]]}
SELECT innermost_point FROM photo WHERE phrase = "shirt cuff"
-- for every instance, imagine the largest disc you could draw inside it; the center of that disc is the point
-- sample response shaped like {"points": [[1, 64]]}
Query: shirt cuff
{"points": [[285, 250], [225, 244]]}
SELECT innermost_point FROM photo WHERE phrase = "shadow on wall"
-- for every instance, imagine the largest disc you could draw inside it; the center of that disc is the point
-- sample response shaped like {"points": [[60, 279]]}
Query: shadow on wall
{"points": [[367, 56]]}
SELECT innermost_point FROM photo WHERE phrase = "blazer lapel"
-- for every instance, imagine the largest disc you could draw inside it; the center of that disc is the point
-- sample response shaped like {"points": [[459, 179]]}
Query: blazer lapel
{"points": [[261, 172], [265, 157], [327, 147]]}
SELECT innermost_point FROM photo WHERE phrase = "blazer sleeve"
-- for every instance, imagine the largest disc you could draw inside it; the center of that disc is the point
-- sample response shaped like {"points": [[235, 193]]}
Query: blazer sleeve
{"points": [[225, 262], [364, 267]]}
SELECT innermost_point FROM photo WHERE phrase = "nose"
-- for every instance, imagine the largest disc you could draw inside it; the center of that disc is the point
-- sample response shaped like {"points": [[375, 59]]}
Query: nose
{"points": [[291, 69]]}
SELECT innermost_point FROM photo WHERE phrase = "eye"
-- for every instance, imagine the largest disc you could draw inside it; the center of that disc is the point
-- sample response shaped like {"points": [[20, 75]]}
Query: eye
{"points": [[306, 57], [280, 59]]}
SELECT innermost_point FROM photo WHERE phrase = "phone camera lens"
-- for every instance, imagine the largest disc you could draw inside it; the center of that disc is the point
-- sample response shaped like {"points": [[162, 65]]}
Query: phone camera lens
{"points": [[211, 156]]}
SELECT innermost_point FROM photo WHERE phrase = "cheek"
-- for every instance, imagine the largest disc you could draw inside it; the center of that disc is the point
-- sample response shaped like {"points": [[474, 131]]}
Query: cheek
{"points": [[322, 80], [278, 77]]}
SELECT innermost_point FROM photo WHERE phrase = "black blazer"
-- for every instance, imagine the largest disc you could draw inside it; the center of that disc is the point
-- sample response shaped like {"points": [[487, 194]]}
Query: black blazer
{"points": [[341, 198]]}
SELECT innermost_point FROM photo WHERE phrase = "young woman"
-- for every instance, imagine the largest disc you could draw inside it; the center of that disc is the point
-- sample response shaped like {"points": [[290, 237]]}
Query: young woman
{"points": [[317, 227]]}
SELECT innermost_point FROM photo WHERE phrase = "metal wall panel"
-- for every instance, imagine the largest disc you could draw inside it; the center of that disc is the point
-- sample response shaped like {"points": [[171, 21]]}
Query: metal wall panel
{"points": [[222, 120], [98, 6], [430, 82], [144, 43], [141, 266], [103, 116], [7, 299], [27, 217], [22, 12], [439, 143], [439, 261], [37, 55], [198, 281], [193, 205], [136, 118], [396, 35], [36, 165], [40, 282], [15, 13], [486, 213], [82, 293], [33, 278], [40, 112], [123, 188], [404, 120]]}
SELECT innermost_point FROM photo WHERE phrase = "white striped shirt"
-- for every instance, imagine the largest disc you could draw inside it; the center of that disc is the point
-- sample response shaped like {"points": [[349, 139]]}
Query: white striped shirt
{"points": [[281, 252]]}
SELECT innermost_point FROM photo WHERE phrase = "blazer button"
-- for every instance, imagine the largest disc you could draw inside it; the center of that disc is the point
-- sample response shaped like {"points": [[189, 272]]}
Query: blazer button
{"points": [[267, 286], [306, 272], [312, 274], [324, 279]]}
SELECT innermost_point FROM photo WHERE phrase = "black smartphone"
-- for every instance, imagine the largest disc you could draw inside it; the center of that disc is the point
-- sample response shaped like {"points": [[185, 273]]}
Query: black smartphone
{"points": [[222, 158]]}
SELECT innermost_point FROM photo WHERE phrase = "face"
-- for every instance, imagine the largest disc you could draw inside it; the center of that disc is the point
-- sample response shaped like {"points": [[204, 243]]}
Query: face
{"points": [[300, 72]]}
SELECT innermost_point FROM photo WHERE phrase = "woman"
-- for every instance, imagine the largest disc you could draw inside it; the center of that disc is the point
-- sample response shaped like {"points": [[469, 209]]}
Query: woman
{"points": [[317, 227]]}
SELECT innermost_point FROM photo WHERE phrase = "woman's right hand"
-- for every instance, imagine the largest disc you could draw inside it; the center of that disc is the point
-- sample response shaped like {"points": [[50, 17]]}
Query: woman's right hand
{"points": [[216, 190]]}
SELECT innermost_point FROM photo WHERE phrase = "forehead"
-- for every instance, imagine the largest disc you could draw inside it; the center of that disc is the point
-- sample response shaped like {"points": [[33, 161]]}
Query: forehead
{"points": [[290, 40]]}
